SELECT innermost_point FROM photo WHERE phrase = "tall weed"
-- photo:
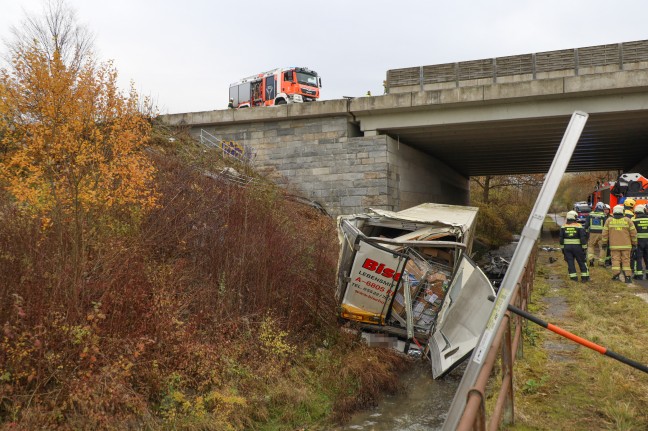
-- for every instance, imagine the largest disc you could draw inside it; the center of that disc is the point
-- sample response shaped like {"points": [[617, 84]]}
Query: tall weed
{"points": [[195, 317]]}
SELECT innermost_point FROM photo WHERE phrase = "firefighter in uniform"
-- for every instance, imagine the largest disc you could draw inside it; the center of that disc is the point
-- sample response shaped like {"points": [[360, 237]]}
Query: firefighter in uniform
{"points": [[628, 207], [641, 224], [628, 212], [620, 235], [573, 242], [594, 228], [608, 258]]}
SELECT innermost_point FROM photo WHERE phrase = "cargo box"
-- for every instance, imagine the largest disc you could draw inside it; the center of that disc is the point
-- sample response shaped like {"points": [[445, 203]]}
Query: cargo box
{"points": [[408, 274]]}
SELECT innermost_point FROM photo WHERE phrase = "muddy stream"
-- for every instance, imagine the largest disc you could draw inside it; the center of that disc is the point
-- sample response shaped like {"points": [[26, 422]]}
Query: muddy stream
{"points": [[421, 405]]}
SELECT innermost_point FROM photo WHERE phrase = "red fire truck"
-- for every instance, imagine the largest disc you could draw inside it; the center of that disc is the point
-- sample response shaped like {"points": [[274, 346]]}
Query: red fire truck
{"points": [[276, 87], [631, 185]]}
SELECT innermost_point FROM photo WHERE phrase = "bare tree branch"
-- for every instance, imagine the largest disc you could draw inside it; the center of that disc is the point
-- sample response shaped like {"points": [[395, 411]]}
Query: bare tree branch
{"points": [[488, 183], [55, 32]]}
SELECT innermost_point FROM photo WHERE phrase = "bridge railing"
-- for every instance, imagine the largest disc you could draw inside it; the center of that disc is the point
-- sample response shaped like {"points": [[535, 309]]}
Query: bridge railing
{"points": [[525, 67], [507, 346], [227, 148]]}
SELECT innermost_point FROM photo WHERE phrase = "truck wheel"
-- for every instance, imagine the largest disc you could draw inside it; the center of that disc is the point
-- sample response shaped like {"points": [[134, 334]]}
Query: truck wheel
{"points": [[280, 102]]}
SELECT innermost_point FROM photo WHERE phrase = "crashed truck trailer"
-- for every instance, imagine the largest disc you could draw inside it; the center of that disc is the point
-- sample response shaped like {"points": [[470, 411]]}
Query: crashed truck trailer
{"points": [[405, 279]]}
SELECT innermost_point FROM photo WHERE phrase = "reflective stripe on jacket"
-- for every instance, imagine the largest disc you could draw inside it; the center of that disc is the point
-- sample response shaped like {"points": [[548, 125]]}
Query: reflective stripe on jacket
{"points": [[641, 224], [573, 233]]}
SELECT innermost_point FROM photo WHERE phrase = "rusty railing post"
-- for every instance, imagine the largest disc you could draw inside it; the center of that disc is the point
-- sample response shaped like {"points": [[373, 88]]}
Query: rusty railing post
{"points": [[507, 376], [480, 417]]}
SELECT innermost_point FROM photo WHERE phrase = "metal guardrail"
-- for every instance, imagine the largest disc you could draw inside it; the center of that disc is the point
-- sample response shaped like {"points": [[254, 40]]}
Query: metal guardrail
{"points": [[508, 348], [469, 398], [228, 148], [526, 66]]}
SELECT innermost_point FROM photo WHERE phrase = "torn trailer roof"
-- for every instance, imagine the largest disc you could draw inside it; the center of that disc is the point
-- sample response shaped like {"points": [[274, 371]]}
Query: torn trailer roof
{"points": [[407, 275]]}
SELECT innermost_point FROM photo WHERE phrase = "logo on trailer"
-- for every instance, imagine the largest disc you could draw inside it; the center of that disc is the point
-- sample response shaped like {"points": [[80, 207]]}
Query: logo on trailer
{"points": [[381, 269]]}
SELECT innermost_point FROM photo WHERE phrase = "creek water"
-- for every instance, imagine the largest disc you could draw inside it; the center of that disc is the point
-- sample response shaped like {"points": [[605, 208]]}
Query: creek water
{"points": [[423, 402]]}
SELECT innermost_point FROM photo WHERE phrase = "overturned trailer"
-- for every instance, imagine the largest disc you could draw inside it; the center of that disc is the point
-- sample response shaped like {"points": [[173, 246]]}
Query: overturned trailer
{"points": [[405, 279]]}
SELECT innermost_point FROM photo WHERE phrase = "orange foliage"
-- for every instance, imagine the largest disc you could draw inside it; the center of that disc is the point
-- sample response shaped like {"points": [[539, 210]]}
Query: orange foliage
{"points": [[71, 141]]}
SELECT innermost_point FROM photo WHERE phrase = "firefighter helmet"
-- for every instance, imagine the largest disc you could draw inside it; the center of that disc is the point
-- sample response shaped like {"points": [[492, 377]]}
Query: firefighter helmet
{"points": [[607, 207], [599, 206], [640, 209], [629, 203], [618, 209], [572, 215]]}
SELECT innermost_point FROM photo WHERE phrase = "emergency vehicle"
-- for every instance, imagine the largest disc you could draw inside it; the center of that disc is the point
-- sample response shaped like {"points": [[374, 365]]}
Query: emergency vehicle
{"points": [[582, 209], [276, 87], [631, 185]]}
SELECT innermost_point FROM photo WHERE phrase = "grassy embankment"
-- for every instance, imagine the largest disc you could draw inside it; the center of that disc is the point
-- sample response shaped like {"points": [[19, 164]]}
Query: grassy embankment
{"points": [[564, 389], [213, 312]]}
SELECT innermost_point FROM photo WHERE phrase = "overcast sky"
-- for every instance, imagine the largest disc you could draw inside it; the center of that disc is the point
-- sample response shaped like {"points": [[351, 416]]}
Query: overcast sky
{"points": [[184, 54]]}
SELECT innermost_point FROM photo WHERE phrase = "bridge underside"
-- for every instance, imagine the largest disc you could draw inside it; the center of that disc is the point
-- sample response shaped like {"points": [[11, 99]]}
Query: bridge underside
{"points": [[477, 135], [610, 141]]}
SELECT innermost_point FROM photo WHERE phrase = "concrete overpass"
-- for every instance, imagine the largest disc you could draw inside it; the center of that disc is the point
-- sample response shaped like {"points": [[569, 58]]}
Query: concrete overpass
{"points": [[441, 124]]}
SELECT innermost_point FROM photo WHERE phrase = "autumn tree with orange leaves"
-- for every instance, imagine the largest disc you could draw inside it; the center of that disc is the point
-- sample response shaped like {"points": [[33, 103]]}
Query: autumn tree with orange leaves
{"points": [[70, 142]]}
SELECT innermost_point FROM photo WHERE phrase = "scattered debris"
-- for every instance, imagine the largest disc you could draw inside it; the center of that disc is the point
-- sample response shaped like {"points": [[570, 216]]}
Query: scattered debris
{"points": [[231, 175], [496, 269], [548, 248], [643, 296], [302, 200]]}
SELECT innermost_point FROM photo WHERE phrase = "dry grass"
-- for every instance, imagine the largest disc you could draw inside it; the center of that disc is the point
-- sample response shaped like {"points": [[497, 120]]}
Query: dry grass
{"points": [[584, 390]]}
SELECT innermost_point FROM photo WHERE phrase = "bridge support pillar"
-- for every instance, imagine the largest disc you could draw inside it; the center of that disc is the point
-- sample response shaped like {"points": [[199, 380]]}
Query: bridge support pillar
{"points": [[420, 178]]}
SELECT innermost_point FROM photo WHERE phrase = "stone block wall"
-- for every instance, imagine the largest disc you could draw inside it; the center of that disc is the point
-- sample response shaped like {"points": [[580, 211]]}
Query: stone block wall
{"points": [[319, 160], [327, 160]]}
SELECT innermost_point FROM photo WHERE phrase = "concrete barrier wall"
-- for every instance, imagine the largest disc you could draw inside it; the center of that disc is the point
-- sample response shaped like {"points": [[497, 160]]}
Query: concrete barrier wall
{"points": [[326, 108], [537, 66]]}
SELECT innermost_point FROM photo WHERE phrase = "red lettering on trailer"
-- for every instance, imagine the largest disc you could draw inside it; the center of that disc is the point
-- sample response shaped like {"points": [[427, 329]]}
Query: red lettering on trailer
{"points": [[379, 268]]}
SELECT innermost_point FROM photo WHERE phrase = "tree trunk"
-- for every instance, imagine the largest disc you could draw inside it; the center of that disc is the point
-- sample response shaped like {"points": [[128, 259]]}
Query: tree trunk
{"points": [[486, 191]]}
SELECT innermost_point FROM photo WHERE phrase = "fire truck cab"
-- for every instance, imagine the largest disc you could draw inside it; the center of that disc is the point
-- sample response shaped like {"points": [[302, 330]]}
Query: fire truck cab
{"points": [[276, 87], [629, 185]]}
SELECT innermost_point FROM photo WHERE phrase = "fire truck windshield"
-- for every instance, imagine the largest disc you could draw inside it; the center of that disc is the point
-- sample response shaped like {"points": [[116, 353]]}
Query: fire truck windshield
{"points": [[307, 79]]}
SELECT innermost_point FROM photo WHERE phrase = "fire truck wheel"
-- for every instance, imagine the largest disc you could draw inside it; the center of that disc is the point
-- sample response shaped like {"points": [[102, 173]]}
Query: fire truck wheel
{"points": [[280, 102]]}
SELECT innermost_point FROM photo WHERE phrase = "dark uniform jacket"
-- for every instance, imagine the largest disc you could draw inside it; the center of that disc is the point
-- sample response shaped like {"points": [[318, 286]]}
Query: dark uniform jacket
{"points": [[641, 224], [573, 233]]}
